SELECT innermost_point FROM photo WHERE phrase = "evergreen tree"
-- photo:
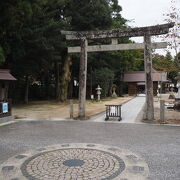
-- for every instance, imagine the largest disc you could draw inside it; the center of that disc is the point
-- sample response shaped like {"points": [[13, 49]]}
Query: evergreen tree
{"points": [[33, 48]]}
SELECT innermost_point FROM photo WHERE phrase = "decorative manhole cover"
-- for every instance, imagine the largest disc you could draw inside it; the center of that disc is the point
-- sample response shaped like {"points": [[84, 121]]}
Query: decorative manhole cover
{"points": [[75, 161]]}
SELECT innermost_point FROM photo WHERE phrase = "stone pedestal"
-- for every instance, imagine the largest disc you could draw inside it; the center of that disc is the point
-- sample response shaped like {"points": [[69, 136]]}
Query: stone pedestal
{"points": [[171, 94], [114, 95]]}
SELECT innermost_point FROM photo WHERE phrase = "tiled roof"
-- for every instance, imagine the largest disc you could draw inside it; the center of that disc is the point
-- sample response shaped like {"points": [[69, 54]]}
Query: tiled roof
{"points": [[139, 76], [6, 76]]}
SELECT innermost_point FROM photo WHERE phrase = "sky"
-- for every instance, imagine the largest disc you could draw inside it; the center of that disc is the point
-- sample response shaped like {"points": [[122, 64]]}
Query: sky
{"points": [[145, 13]]}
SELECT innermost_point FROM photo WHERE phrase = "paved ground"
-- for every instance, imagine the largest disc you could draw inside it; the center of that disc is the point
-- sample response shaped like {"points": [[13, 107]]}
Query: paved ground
{"points": [[130, 110], [75, 161], [158, 145]]}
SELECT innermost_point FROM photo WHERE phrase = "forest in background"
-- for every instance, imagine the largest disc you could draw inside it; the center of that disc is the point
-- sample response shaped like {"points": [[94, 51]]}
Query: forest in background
{"points": [[32, 47]]}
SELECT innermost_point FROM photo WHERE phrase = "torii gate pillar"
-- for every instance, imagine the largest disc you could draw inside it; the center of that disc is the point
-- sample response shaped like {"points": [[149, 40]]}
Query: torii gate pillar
{"points": [[82, 79], [149, 106]]}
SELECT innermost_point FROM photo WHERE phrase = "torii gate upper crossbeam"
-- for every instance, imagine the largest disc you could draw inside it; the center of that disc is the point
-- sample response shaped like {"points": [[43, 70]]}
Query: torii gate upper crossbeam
{"points": [[118, 33]]}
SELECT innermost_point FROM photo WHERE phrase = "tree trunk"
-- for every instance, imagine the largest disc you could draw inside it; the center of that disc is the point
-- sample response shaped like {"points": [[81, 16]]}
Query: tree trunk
{"points": [[57, 81], [26, 99], [121, 84], [70, 89], [47, 85]]}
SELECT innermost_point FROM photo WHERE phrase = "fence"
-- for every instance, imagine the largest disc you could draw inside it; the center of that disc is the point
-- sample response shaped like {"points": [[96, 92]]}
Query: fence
{"points": [[113, 111]]}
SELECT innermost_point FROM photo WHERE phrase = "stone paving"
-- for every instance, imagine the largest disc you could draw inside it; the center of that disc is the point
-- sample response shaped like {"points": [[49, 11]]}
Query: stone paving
{"points": [[75, 162]]}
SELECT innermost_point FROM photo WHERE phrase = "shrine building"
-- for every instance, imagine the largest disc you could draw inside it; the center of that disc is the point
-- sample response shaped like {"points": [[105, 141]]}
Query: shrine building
{"points": [[5, 104], [136, 81]]}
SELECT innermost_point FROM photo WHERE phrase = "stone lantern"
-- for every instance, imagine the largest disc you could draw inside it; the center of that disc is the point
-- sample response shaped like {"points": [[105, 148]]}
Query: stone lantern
{"points": [[177, 100], [114, 95], [98, 89]]}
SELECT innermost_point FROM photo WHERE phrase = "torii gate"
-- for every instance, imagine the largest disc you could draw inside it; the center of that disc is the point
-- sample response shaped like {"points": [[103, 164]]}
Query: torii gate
{"points": [[146, 32]]}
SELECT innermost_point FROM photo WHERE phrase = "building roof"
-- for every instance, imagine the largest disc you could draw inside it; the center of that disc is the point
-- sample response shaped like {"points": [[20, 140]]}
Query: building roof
{"points": [[139, 76], [6, 76]]}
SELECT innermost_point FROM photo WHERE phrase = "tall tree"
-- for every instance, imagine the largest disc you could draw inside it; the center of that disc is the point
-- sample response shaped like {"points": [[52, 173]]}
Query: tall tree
{"points": [[167, 64], [173, 36], [99, 15], [104, 77], [30, 38], [89, 14], [2, 57], [33, 48]]}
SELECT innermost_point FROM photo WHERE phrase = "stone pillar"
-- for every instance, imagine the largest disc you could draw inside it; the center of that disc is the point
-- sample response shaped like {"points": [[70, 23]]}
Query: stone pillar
{"points": [[177, 100], [162, 112], [149, 107], [71, 109], [82, 79], [178, 85]]}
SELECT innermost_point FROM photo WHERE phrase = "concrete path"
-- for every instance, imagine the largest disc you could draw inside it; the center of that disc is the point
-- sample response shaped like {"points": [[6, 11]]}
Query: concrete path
{"points": [[129, 110]]}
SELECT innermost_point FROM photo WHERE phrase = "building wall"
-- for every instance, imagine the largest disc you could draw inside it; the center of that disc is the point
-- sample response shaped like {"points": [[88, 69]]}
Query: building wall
{"points": [[4, 99], [133, 88], [3, 90], [155, 88]]}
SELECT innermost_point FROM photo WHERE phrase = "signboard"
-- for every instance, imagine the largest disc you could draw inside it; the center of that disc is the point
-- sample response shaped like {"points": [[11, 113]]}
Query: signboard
{"points": [[4, 107]]}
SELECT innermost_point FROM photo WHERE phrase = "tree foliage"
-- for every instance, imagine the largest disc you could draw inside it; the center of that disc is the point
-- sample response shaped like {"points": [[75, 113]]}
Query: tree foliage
{"points": [[31, 39], [104, 77], [2, 57], [89, 14], [173, 37], [164, 63], [33, 48], [167, 64]]}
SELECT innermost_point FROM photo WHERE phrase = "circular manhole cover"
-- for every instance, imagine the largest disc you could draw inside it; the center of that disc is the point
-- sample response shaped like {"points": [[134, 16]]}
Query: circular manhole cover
{"points": [[75, 161]]}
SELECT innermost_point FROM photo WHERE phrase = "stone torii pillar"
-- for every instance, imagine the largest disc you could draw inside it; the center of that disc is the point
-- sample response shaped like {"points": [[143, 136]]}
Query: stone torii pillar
{"points": [[82, 79], [146, 32], [149, 106]]}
